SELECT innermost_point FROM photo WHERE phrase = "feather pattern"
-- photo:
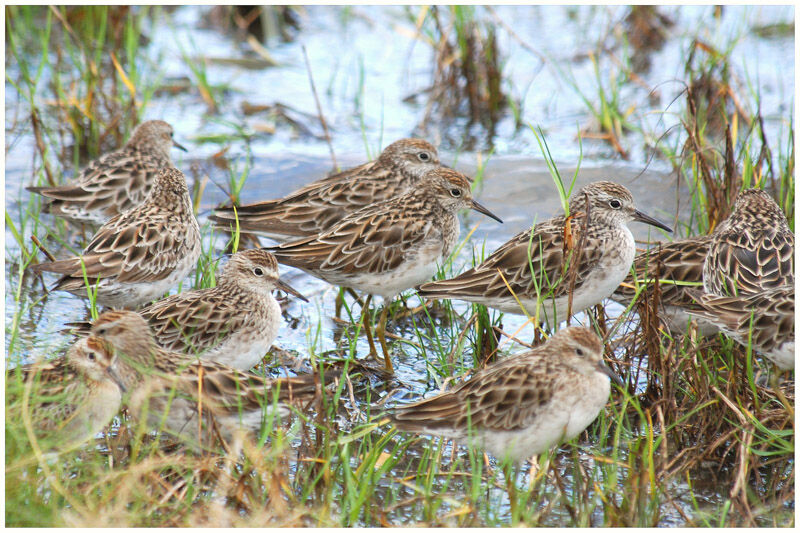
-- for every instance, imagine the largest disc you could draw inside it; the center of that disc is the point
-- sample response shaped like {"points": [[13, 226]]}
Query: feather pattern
{"points": [[73, 397], [531, 271], [389, 246], [752, 250], [523, 405], [169, 390], [763, 319], [678, 261], [140, 254], [115, 182], [233, 323], [320, 205]]}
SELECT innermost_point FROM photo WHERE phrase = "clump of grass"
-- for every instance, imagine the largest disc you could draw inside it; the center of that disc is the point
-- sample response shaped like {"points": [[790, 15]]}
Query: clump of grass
{"points": [[468, 74], [611, 111], [646, 31], [89, 61], [726, 146], [264, 23], [211, 94]]}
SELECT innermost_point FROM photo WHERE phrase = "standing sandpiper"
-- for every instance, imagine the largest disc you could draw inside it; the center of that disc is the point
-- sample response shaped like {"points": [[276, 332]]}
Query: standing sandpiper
{"points": [[233, 323], [116, 181], [390, 246], [525, 404], [531, 272], [138, 255], [320, 205]]}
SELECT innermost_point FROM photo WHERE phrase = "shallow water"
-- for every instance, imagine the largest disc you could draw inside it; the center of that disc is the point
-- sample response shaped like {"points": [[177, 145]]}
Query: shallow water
{"points": [[365, 62]]}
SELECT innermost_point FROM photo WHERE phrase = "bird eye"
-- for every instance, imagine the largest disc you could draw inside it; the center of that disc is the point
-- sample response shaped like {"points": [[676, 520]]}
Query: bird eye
{"points": [[616, 204], [258, 272], [91, 356], [424, 156], [455, 192], [579, 352]]}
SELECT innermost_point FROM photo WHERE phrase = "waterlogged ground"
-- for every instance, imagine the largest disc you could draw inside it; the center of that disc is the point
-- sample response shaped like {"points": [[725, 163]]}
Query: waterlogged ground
{"points": [[366, 61]]}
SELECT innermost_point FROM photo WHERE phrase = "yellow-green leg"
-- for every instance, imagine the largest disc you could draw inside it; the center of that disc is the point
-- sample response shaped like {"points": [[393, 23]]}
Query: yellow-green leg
{"points": [[368, 326], [511, 489], [340, 299], [381, 331], [339, 302]]}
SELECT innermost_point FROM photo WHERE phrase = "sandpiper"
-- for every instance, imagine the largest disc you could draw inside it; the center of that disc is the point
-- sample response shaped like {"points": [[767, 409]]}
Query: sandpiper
{"points": [[752, 250], [233, 323], [173, 391], [764, 320], [672, 264], [532, 271], [140, 254], [74, 397], [320, 205], [525, 404], [117, 181], [390, 246]]}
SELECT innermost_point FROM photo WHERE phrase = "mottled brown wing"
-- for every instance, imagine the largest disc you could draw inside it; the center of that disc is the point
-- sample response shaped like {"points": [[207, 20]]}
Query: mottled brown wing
{"points": [[768, 316], [111, 184], [530, 259], [194, 321], [680, 261], [375, 239], [502, 397], [111, 252], [226, 389], [53, 389], [52, 376], [365, 169], [749, 261], [312, 209]]}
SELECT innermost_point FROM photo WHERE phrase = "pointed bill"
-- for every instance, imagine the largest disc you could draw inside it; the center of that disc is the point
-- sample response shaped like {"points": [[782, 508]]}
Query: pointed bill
{"points": [[480, 209]]}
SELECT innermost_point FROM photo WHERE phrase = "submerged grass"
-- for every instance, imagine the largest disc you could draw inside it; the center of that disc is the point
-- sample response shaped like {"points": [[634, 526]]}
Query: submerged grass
{"points": [[694, 438]]}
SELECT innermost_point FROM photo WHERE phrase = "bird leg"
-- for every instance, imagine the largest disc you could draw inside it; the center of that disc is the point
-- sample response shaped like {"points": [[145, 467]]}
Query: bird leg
{"points": [[511, 488], [339, 302], [340, 299], [368, 326], [381, 332], [776, 387]]}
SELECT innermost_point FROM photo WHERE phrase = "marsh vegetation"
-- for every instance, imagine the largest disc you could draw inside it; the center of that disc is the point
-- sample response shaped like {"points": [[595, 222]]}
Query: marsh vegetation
{"points": [[685, 106]]}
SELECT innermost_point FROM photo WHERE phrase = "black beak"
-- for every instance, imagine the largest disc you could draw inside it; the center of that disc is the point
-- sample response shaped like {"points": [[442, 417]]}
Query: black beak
{"points": [[480, 209], [282, 285], [601, 367], [115, 378], [641, 217], [179, 146]]}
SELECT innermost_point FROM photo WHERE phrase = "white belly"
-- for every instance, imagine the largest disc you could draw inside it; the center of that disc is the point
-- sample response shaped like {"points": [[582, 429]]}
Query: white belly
{"points": [[411, 272], [600, 284], [120, 295], [244, 349]]}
